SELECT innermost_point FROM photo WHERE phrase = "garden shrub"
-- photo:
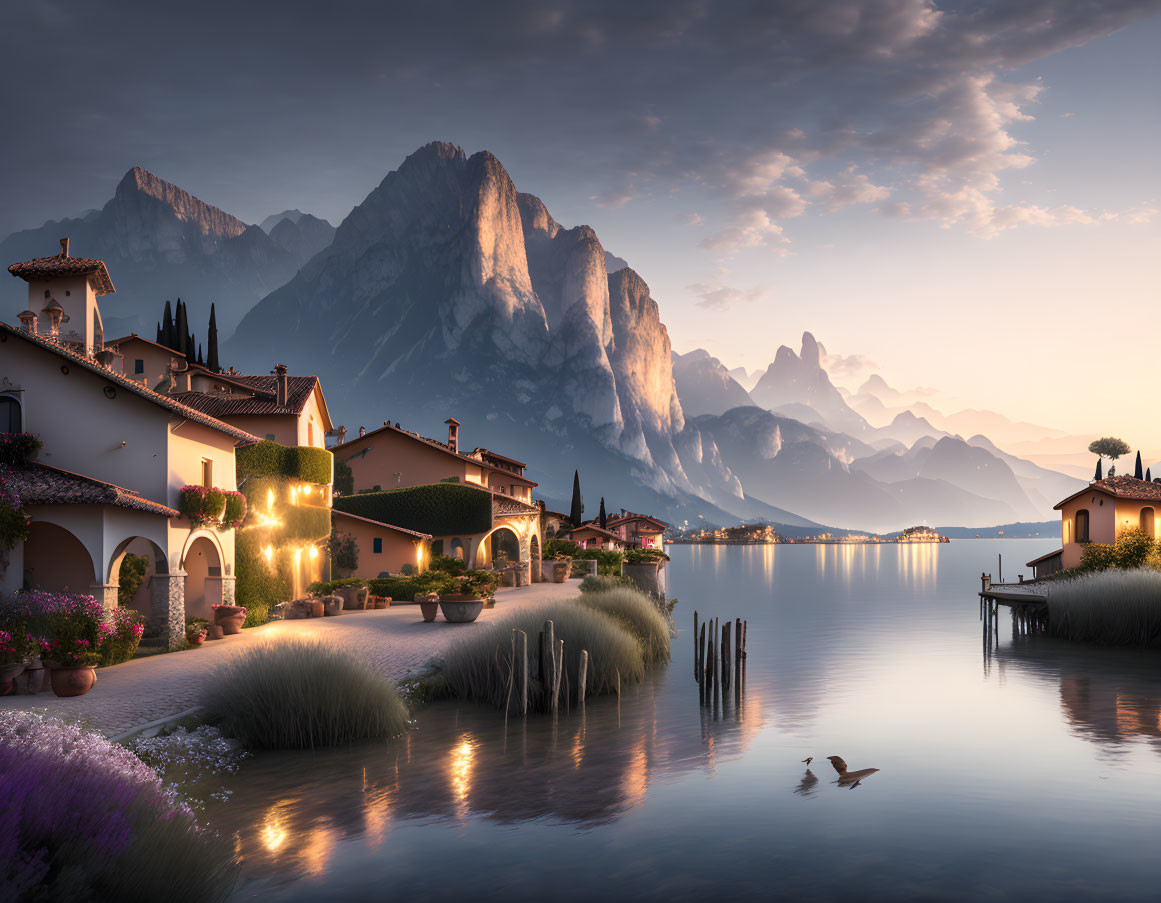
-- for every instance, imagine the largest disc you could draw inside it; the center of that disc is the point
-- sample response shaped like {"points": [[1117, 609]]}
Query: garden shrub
{"points": [[260, 584], [302, 463], [18, 448], [344, 551], [478, 666], [439, 509], [302, 694], [447, 564], [235, 511], [201, 504], [644, 556], [130, 576], [344, 478], [600, 583], [119, 636], [85, 819], [13, 519]]}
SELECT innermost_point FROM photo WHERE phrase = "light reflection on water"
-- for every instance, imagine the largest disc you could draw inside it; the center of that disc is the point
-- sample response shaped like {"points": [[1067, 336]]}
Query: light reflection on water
{"points": [[1032, 774]]}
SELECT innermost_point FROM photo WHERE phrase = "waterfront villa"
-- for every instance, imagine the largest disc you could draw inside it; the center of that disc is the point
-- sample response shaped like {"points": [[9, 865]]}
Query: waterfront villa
{"points": [[115, 456], [592, 536], [637, 531], [476, 506], [382, 548], [1100, 513]]}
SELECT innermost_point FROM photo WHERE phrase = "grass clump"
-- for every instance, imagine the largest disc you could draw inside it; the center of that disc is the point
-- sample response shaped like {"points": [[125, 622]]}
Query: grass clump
{"points": [[1112, 607], [479, 666], [599, 583], [639, 615], [299, 694]]}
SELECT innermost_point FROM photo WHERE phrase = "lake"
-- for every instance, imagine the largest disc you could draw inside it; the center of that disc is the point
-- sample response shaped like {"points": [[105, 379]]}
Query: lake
{"points": [[1032, 772]]}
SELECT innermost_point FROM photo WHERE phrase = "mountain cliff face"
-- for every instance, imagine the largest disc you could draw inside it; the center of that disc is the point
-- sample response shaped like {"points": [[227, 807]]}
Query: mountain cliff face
{"points": [[303, 236], [160, 242], [705, 386]]}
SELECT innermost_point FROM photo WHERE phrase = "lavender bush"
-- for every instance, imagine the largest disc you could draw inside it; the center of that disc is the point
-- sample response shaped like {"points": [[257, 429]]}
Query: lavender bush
{"points": [[84, 819]]}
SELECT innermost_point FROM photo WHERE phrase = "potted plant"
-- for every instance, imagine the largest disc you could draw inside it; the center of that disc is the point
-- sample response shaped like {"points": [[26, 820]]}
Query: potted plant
{"points": [[195, 631], [472, 590], [229, 618], [332, 605], [74, 670], [12, 661], [428, 605]]}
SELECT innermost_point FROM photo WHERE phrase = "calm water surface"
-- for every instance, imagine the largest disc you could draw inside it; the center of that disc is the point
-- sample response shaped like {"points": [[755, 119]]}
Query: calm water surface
{"points": [[1031, 773]]}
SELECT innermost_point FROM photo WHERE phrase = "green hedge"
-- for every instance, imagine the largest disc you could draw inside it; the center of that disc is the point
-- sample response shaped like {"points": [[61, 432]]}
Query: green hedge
{"points": [[441, 509], [298, 462], [260, 585], [305, 524]]}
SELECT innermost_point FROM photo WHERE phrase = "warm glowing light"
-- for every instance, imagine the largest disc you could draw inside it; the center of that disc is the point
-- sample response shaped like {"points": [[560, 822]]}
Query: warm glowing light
{"points": [[461, 767], [273, 834], [306, 490], [270, 499], [269, 553], [314, 552]]}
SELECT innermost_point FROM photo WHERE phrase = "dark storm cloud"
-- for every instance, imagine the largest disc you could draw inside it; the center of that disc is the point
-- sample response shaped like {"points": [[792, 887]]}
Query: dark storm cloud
{"points": [[771, 106]]}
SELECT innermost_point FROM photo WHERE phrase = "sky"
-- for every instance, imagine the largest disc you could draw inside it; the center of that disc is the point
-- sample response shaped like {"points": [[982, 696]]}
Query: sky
{"points": [[958, 196]]}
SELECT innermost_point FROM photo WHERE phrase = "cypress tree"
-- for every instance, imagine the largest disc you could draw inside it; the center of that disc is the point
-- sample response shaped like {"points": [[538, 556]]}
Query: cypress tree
{"points": [[191, 349], [212, 343], [158, 340], [1148, 475], [200, 359], [604, 520], [1098, 470], [576, 512], [181, 330], [167, 326], [1137, 474]]}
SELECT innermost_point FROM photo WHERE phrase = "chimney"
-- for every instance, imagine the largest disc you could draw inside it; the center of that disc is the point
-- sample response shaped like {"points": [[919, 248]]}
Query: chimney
{"points": [[64, 247], [55, 316], [280, 384], [453, 434], [28, 321]]}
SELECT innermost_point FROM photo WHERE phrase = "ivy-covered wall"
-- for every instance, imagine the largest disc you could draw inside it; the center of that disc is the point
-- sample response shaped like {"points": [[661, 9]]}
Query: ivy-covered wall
{"points": [[298, 462], [441, 509]]}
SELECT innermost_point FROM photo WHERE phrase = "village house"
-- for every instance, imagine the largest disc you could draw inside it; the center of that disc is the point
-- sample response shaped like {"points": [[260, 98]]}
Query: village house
{"points": [[503, 526], [552, 522], [382, 549], [115, 457], [1100, 513], [637, 531], [593, 536]]}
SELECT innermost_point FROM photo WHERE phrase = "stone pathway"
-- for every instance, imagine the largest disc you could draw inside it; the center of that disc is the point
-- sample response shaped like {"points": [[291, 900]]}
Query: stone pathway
{"points": [[396, 640]]}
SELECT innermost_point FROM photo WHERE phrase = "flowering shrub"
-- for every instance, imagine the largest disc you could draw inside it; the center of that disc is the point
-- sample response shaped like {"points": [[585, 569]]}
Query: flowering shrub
{"points": [[62, 627], [83, 818], [235, 510], [201, 504], [478, 583], [13, 520], [12, 650], [119, 635], [17, 448]]}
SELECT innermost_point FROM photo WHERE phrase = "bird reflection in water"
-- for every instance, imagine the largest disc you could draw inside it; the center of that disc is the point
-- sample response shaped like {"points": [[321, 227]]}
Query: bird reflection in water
{"points": [[808, 786]]}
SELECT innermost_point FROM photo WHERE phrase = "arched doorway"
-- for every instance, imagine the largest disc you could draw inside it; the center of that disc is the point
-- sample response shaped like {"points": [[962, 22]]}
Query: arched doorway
{"points": [[458, 549], [1147, 518], [203, 573], [504, 547], [143, 557], [10, 419], [55, 560], [1082, 525], [534, 554]]}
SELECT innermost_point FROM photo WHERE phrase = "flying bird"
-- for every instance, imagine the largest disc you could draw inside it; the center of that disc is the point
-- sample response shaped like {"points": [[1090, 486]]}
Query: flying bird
{"points": [[808, 760], [849, 777]]}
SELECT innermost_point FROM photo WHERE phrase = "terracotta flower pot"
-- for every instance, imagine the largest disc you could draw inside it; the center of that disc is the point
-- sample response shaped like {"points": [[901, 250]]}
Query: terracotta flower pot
{"points": [[8, 674], [32, 680], [73, 680], [332, 605], [460, 609], [561, 570], [196, 639], [230, 618], [354, 597], [214, 632], [429, 610], [315, 608]]}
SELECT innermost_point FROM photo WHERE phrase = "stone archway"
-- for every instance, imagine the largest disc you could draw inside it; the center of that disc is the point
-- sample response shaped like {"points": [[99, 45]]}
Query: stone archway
{"points": [[202, 564], [56, 560], [499, 542]]}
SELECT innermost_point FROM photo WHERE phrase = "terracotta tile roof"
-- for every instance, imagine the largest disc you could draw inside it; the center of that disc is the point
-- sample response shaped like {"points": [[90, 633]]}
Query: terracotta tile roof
{"points": [[125, 382], [42, 484], [335, 512], [629, 518], [1121, 487], [50, 267], [595, 529], [262, 401]]}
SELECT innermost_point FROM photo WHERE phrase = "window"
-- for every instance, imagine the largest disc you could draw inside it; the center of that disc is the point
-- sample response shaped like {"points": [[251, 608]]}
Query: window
{"points": [[377, 545], [138, 366], [1082, 525], [270, 436], [310, 433], [1147, 521], [207, 472], [10, 421]]}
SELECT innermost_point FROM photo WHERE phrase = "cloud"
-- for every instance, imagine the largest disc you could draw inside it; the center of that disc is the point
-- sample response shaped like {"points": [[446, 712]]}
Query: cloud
{"points": [[713, 296], [750, 228], [845, 366], [690, 219]]}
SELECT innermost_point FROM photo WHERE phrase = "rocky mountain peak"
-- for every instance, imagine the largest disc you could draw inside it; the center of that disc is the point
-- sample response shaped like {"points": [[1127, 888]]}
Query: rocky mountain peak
{"points": [[812, 352], [212, 222]]}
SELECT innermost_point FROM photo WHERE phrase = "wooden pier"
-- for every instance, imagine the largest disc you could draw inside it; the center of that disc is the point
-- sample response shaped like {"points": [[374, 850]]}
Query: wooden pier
{"points": [[1029, 608]]}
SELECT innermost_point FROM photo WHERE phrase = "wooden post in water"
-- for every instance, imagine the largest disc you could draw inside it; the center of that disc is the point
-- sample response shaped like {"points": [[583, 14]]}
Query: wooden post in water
{"points": [[725, 658], [701, 663], [582, 677], [522, 667], [737, 657], [557, 667], [511, 677], [550, 659]]}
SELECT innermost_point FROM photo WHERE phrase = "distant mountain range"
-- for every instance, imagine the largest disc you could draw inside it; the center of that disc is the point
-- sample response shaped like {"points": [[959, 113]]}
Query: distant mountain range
{"points": [[447, 292], [160, 242]]}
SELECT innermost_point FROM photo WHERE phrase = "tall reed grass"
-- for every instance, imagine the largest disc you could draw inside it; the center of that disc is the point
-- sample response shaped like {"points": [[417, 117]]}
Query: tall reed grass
{"points": [[85, 819], [298, 694], [478, 667], [640, 616], [1113, 607]]}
